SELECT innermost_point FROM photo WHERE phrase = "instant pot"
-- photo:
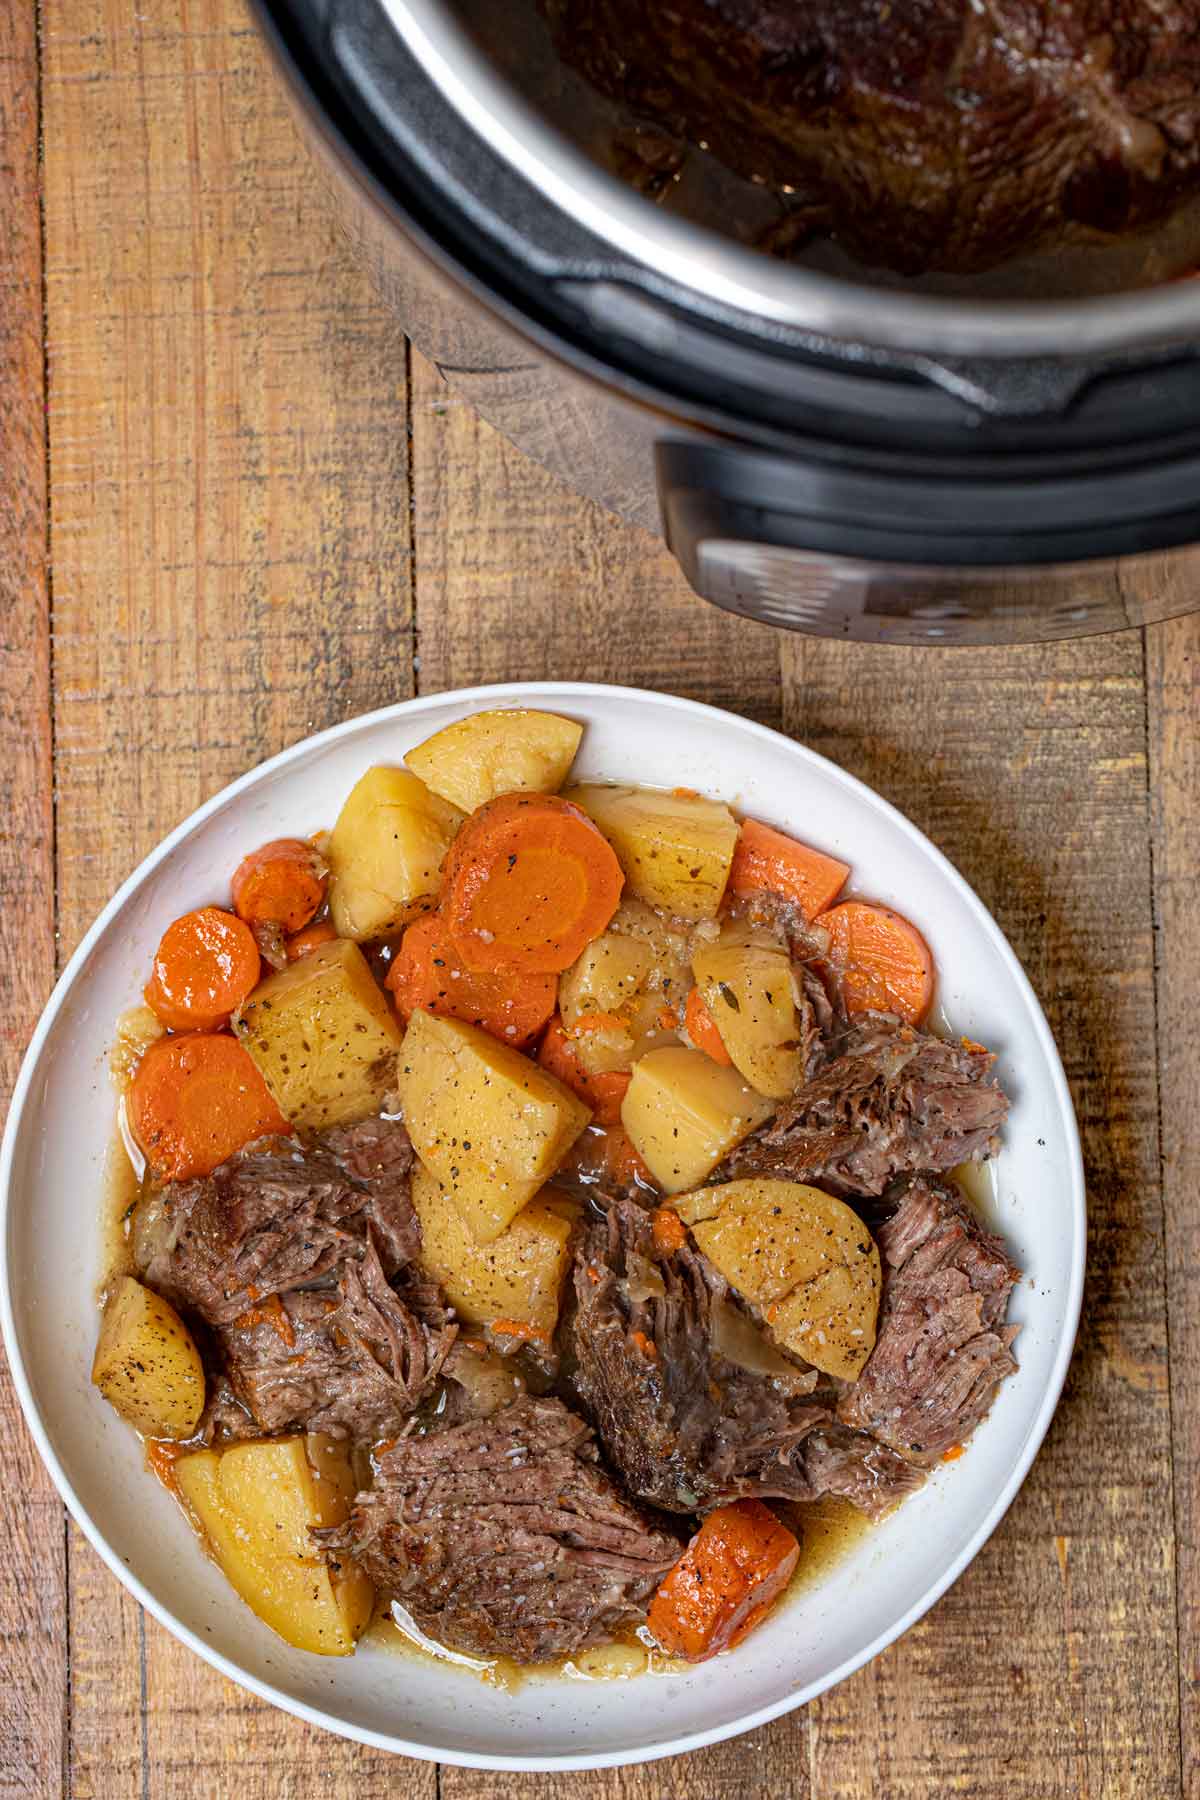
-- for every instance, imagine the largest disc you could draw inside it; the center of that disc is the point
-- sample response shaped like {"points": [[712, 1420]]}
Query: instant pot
{"points": [[823, 448]]}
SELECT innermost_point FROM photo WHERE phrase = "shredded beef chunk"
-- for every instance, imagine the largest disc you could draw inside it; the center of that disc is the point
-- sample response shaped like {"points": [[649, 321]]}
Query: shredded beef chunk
{"points": [[353, 1363], [686, 1427], [504, 1537], [892, 1101], [943, 1347], [942, 134], [279, 1216]]}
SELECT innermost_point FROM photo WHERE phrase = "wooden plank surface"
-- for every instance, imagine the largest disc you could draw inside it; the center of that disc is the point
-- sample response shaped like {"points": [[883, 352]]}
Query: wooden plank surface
{"points": [[32, 1612], [1173, 693], [234, 563]]}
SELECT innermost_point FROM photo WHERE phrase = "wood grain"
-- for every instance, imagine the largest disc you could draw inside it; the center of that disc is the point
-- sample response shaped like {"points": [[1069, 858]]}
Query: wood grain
{"points": [[1173, 693], [33, 1706], [1053, 1656], [231, 551]]}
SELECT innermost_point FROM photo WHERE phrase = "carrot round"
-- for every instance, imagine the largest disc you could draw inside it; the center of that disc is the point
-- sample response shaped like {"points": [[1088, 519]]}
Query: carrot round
{"points": [[728, 1578], [429, 971], [702, 1029], [281, 883], [882, 962], [766, 859], [670, 1233], [205, 966], [603, 1093], [194, 1101], [303, 943], [529, 882]]}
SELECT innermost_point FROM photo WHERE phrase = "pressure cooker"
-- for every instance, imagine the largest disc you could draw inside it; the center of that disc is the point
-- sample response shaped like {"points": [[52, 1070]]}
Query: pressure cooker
{"points": [[823, 449]]}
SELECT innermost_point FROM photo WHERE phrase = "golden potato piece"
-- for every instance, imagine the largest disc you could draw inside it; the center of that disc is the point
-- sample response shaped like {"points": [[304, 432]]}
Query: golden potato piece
{"points": [[517, 1276], [323, 1036], [684, 1114], [607, 978], [803, 1258], [500, 752], [748, 990], [385, 852], [676, 849], [254, 1504], [146, 1364], [488, 1123]]}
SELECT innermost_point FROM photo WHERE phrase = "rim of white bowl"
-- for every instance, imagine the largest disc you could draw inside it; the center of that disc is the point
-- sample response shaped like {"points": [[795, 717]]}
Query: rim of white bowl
{"points": [[313, 1715]]}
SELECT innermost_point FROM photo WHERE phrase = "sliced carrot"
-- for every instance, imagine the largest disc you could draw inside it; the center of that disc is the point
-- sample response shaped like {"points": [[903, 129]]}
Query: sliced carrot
{"points": [[194, 1101], [953, 1453], [768, 859], [311, 938], [162, 1454], [882, 962], [428, 971], [670, 1233], [281, 883], [702, 1029], [205, 966], [529, 882], [624, 1163], [603, 1093], [728, 1578], [646, 1345]]}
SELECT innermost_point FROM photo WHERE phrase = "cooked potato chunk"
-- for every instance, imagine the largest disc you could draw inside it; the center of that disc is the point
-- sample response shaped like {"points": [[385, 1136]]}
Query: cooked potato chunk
{"points": [[255, 1504], [608, 978], [805, 1259], [676, 849], [493, 753], [146, 1364], [683, 1113], [385, 852], [748, 990], [323, 1036], [517, 1277], [488, 1123]]}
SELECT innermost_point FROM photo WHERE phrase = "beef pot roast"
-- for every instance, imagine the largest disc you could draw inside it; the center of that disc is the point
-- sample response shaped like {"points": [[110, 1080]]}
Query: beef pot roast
{"points": [[890, 1101], [943, 1347], [280, 1216], [935, 134], [353, 1363], [504, 1537], [686, 1427]]}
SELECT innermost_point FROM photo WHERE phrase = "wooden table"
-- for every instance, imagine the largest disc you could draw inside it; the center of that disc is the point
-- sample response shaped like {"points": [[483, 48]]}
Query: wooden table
{"points": [[234, 508]]}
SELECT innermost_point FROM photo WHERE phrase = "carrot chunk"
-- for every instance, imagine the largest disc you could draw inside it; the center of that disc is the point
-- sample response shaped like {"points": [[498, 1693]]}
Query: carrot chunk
{"points": [[281, 883], [726, 1581], [669, 1231], [882, 962], [769, 859], [205, 966], [429, 971], [702, 1029], [529, 882], [603, 1093], [303, 943], [194, 1101]]}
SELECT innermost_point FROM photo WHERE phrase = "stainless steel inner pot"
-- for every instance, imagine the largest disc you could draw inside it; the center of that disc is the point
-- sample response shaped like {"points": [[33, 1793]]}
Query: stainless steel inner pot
{"points": [[496, 67]]}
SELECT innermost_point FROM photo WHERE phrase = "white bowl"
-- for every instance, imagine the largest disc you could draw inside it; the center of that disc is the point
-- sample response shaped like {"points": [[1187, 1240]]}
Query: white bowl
{"points": [[50, 1187]]}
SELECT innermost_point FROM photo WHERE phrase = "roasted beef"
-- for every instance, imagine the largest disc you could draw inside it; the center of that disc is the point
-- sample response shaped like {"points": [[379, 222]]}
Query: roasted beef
{"points": [[687, 1428], [280, 1216], [353, 1363], [942, 1348], [930, 134], [891, 1101], [504, 1537]]}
